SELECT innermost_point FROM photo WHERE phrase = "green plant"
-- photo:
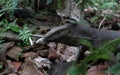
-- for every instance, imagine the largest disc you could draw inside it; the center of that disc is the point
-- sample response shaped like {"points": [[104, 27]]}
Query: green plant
{"points": [[8, 6], [98, 4], [5, 25], [1, 65], [99, 53], [1, 42], [25, 35], [115, 69], [59, 3], [100, 8]]}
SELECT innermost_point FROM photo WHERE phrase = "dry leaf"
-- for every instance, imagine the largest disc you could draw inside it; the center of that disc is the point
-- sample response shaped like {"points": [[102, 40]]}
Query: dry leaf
{"points": [[98, 70]]}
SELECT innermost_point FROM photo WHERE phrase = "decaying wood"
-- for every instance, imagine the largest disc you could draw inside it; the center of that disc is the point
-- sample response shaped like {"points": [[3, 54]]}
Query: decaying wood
{"points": [[71, 33]]}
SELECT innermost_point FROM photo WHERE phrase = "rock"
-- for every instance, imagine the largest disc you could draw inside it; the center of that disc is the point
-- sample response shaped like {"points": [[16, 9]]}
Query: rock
{"points": [[29, 68], [14, 53]]}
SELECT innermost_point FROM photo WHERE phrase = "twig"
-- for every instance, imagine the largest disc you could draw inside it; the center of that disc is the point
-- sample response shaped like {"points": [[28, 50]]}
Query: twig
{"points": [[102, 21], [104, 18]]}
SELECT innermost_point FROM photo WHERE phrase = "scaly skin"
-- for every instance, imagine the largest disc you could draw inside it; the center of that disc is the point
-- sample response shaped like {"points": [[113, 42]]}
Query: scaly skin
{"points": [[71, 33]]}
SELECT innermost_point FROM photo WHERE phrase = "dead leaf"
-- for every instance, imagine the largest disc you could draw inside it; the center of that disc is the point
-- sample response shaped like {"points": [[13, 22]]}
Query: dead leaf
{"points": [[39, 48], [43, 53], [9, 69], [30, 54], [42, 62], [42, 30], [16, 65], [98, 70], [52, 51], [67, 53]]}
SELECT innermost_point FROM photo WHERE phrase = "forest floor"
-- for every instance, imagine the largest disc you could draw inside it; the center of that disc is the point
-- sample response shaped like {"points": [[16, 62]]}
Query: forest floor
{"points": [[19, 58]]}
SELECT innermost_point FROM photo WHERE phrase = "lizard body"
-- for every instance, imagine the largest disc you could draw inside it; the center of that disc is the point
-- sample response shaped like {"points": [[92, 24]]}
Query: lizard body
{"points": [[71, 33]]}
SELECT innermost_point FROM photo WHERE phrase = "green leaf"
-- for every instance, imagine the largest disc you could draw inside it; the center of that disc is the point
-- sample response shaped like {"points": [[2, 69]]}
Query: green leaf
{"points": [[118, 56], [1, 14], [59, 3], [86, 43], [25, 34], [15, 28], [14, 3], [115, 69], [96, 53], [78, 70], [93, 19], [108, 5]]}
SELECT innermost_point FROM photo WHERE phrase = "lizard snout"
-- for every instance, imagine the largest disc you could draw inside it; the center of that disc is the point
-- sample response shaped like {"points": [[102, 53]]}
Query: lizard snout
{"points": [[41, 41]]}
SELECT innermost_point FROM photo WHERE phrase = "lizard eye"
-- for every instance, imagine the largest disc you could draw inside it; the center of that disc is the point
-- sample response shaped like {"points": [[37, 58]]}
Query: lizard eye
{"points": [[69, 31]]}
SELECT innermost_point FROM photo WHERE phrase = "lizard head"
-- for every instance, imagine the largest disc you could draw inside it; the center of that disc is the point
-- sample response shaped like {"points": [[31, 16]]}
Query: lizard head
{"points": [[56, 33]]}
